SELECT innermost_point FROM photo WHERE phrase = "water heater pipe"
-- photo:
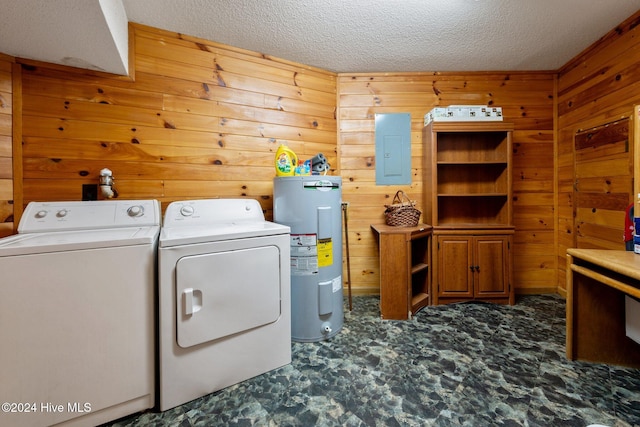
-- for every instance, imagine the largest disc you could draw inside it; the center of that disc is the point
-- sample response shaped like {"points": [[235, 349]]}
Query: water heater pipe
{"points": [[107, 188], [326, 328], [345, 207]]}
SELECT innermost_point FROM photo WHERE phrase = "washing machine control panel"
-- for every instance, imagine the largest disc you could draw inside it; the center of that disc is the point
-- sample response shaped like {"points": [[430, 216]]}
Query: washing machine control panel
{"points": [[136, 211], [76, 215]]}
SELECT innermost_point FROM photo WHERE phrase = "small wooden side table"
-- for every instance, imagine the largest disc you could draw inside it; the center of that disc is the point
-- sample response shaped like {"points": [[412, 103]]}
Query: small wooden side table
{"points": [[405, 269]]}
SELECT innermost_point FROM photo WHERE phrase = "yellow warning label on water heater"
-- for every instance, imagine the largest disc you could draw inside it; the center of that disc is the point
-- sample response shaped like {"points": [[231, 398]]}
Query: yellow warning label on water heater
{"points": [[325, 252]]}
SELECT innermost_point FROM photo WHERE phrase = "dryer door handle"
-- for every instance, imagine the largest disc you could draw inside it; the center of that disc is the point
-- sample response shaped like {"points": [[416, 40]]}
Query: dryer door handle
{"points": [[192, 301]]}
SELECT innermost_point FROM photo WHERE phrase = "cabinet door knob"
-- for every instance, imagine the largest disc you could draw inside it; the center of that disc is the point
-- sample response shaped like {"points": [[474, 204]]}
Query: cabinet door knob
{"points": [[471, 268], [477, 268]]}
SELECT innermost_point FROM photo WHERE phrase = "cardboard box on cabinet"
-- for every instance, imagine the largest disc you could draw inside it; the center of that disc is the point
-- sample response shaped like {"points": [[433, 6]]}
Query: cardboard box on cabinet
{"points": [[463, 113]]}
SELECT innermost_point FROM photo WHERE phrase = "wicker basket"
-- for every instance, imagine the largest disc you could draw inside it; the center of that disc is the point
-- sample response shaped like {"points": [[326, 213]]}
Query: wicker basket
{"points": [[402, 212]]}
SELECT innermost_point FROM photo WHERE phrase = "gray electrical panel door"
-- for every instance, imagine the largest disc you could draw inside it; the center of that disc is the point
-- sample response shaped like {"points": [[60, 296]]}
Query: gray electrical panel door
{"points": [[393, 149]]}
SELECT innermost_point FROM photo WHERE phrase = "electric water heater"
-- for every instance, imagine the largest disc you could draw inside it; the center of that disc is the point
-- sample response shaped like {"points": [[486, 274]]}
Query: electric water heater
{"points": [[311, 207]]}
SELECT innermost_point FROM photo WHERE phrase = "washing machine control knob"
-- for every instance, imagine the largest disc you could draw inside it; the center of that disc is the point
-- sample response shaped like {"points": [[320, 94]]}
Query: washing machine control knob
{"points": [[41, 214], [186, 210], [62, 213], [135, 211]]}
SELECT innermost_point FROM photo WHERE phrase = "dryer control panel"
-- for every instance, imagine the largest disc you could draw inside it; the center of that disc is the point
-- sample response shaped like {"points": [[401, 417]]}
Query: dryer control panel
{"points": [[212, 212], [75, 215]]}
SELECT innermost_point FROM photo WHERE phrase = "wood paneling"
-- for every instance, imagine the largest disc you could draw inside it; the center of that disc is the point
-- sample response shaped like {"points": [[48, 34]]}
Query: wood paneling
{"points": [[600, 86], [199, 120], [7, 223], [527, 100]]}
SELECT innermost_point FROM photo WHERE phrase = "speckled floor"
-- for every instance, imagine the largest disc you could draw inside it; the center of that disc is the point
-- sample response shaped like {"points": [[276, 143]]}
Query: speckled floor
{"points": [[470, 364]]}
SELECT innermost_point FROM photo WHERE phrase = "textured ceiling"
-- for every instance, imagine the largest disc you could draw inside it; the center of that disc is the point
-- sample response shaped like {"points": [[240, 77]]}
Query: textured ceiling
{"points": [[336, 35]]}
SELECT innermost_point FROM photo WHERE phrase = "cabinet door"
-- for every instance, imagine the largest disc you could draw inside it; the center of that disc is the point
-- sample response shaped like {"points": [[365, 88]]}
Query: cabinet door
{"points": [[491, 266], [455, 256]]}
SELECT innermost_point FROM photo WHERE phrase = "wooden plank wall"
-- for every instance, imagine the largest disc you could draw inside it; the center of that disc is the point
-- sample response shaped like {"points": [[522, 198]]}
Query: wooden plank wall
{"points": [[6, 144], [200, 119], [197, 120], [603, 188], [599, 86], [528, 101]]}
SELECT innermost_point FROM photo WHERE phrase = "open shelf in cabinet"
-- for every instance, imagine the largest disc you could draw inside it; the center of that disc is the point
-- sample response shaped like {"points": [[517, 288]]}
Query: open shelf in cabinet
{"points": [[481, 209], [420, 283], [472, 178], [472, 147]]}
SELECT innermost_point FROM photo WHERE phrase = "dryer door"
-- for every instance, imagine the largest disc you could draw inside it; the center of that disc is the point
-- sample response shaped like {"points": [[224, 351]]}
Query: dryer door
{"points": [[224, 293]]}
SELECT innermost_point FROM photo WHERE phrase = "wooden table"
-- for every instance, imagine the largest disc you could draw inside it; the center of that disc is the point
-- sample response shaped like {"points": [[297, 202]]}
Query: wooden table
{"points": [[597, 283], [405, 269]]}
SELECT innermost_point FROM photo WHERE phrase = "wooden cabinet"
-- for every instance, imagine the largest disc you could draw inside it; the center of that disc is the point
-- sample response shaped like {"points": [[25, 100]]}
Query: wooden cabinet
{"points": [[467, 173], [468, 199], [405, 274], [472, 266]]}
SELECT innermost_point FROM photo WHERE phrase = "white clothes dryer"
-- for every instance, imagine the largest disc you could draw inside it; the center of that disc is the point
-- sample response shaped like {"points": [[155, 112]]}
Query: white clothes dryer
{"points": [[77, 313], [224, 297]]}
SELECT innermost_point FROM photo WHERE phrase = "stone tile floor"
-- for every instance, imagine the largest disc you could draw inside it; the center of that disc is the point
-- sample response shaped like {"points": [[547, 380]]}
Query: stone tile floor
{"points": [[468, 364]]}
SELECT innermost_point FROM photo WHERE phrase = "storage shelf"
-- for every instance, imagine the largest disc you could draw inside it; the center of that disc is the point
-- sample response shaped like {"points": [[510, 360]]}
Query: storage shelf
{"points": [[473, 195], [485, 228], [467, 190], [487, 162], [419, 267], [405, 270], [472, 178], [419, 301]]}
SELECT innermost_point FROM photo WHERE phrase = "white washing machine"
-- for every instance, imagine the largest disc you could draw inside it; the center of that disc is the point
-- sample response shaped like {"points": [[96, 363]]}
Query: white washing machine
{"points": [[77, 313], [224, 297]]}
